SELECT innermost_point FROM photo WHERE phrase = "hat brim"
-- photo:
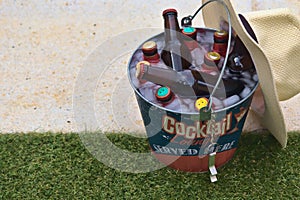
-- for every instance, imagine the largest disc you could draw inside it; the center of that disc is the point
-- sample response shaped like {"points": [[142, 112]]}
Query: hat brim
{"points": [[272, 118]]}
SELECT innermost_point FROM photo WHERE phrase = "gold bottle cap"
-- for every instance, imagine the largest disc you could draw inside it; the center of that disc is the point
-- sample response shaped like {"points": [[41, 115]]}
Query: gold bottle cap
{"points": [[212, 58], [221, 36], [139, 73], [149, 46]]}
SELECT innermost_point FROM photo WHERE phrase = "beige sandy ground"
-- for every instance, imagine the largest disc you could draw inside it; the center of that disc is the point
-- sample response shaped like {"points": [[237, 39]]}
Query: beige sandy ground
{"points": [[46, 44]]}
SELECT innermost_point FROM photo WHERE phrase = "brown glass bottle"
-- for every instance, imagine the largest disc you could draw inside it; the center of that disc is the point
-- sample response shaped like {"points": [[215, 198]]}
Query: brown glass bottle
{"points": [[211, 61], [220, 42], [188, 83], [239, 59], [190, 37], [150, 53], [175, 53], [164, 95]]}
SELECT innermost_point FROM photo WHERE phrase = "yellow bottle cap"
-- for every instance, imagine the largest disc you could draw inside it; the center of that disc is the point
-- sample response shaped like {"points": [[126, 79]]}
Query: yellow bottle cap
{"points": [[201, 103]]}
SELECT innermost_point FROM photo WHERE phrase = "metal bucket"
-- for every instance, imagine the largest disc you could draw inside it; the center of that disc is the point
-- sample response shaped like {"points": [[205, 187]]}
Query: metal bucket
{"points": [[189, 141], [181, 140]]}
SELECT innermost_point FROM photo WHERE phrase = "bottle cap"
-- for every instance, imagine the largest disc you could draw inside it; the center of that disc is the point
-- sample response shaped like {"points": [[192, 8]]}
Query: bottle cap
{"points": [[170, 10], [221, 36], [139, 73], [212, 59], [150, 52], [163, 94], [149, 48], [201, 103], [234, 63], [190, 32]]}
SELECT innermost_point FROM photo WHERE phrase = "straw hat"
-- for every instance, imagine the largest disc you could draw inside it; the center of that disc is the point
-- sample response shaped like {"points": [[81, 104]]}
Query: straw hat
{"points": [[276, 58]]}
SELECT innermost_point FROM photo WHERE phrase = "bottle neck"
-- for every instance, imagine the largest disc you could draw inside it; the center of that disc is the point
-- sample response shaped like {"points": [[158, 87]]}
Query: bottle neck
{"points": [[239, 49], [177, 82], [171, 27]]}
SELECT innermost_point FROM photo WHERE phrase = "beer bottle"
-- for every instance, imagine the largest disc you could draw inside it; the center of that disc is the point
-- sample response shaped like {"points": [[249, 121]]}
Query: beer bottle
{"points": [[164, 95], [234, 63], [167, 98], [211, 61], [220, 42], [188, 83], [138, 65], [177, 82], [150, 53], [205, 83], [190, 37], [239, 59], [175, 54]]}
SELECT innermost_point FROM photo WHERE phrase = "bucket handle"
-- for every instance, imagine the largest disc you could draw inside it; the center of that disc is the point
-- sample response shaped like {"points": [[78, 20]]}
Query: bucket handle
{"points": [[187, 21]]}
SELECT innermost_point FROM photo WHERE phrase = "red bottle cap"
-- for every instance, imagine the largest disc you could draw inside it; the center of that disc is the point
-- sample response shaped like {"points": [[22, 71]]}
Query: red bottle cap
{"points": [[163, 94], [212, 59], [170, 10]]}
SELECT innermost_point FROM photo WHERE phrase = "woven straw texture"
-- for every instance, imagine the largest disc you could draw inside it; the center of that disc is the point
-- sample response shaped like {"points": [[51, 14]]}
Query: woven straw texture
{"points": [[278, 34]]}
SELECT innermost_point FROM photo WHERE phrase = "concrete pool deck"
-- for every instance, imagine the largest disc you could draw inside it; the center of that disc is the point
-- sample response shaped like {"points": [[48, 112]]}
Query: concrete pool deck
{"points": [[44, 46]]}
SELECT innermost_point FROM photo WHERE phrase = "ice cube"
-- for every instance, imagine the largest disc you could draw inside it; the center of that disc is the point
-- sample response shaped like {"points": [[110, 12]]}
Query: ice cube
{"points": [[189, 104], [248, 82], [160, 44], [134, 80], [246, 74], [138, 56], [217, 103], [245, 92], [160, 64], [148, 94], [175, 105], [217, 107], [198, 55], [147, 90], [231, 100], [184, 108], [255, 77]]}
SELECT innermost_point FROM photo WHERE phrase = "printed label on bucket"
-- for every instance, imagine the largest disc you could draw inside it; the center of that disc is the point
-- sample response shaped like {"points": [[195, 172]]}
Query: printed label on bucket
{"points": [[185, 135]]}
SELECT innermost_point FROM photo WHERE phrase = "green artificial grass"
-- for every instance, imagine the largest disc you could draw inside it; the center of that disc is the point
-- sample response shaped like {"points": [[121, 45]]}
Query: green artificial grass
{"points": [[57, 166]]}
